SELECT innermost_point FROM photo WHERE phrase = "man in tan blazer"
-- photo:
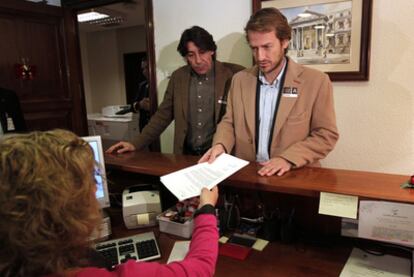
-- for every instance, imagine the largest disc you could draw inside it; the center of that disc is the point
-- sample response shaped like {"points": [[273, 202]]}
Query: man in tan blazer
{"points": [[279, 113], [195, 98]]}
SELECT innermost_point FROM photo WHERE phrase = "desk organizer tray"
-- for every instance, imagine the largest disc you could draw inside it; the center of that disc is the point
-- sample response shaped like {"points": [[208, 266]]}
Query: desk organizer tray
{"points": [[184, 229]]}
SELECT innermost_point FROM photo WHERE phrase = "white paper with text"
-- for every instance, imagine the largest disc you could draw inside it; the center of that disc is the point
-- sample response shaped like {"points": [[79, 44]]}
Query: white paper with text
{"points": [[188, 182], [362, 264], [386, 221]]}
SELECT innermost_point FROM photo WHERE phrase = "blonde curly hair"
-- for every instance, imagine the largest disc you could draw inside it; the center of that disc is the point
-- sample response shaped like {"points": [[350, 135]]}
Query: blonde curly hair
{"points": [[48, 207]]}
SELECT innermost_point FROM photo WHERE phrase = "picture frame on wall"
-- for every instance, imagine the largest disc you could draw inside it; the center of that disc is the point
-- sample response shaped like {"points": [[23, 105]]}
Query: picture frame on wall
{"points": [[330, 35]]}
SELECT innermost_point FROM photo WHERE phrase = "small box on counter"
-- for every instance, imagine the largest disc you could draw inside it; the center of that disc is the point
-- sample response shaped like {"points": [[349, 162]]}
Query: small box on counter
{"points": [[177, 220]]}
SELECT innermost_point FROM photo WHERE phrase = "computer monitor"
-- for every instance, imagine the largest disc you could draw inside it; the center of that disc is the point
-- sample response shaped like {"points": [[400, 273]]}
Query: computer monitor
{"points": [[100, 175]]}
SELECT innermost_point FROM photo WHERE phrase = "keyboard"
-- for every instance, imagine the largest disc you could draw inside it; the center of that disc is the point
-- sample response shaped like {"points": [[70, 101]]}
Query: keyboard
{"points": [[140, 247]]}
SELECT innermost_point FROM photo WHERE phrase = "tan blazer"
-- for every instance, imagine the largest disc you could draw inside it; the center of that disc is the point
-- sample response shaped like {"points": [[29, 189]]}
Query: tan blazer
{"points": [[305, 127], [175, 104]]}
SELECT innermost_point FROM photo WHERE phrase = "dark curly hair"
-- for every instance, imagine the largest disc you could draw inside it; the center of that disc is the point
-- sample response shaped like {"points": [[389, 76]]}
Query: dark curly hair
{"points": [[200, 37], [48, 207]]}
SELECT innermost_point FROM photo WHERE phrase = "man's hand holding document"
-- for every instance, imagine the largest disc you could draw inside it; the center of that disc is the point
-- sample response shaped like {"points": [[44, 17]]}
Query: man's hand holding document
{"points": [[188, 182]]}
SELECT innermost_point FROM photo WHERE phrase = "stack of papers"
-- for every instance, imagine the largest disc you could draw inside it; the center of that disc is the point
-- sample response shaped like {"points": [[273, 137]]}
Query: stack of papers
{"points": [[188, 182], [363, 264]]}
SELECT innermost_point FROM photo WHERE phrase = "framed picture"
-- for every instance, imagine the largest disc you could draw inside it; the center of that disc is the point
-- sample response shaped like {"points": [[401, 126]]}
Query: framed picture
{"points": [[330, 35]]}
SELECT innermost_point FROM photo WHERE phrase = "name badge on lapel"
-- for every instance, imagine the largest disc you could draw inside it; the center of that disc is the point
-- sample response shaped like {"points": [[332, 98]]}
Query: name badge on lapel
{"points": [[290, 92], [10, 123]]}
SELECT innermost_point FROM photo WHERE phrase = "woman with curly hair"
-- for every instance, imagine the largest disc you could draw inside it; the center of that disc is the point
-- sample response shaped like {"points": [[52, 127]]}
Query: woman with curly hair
{"points": [[48, 210]]}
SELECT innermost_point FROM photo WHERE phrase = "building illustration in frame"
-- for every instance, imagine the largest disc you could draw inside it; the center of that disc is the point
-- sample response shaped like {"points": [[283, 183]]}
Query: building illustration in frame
{"points": [[321, 34]]}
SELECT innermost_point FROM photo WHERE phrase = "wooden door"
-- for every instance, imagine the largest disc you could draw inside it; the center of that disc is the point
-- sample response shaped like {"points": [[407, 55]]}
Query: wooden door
{"points": [[36, 38]]}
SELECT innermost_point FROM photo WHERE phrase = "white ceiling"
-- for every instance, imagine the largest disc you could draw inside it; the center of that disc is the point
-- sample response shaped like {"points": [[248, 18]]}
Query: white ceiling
{"points": [[133, 13]]}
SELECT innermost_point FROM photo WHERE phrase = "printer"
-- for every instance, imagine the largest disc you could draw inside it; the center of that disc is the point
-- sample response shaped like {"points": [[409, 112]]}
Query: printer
{"points": [[140, 207], [111, 128], [110, 111]]}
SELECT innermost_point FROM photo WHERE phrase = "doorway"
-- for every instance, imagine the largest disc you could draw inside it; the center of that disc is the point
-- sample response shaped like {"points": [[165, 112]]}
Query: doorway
{"points": [[133, 74], [130, 29]]}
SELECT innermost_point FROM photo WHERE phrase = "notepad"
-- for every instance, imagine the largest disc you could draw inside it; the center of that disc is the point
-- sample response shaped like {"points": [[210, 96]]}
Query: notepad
{"points": [[234, 251], [260, 244], [179, 251]]}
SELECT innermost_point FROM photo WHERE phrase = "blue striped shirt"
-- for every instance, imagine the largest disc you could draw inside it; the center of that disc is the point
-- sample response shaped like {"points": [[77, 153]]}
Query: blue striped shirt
{"points": [[268, 102]]}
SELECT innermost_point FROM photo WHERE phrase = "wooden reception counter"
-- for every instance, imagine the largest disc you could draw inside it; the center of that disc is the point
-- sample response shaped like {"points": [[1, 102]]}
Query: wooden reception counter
{"points": [[300, 258], [304, 181]]}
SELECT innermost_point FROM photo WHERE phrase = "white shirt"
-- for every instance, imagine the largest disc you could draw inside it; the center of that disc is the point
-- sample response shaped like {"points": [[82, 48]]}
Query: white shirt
{"points": [[268, 102]]}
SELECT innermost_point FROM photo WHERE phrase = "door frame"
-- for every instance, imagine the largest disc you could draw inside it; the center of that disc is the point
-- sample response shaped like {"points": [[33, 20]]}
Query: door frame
{"points": [[73, 6]]}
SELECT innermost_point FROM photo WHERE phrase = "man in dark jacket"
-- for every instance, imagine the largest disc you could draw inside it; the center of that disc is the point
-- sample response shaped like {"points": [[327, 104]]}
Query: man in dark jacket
{"points": [[141, 102], [195, 98], [11, 116]]}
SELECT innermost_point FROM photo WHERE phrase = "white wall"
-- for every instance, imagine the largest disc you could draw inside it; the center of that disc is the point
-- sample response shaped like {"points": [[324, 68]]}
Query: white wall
{"points": [[375, 118], [223, 19], [105, 81], [102, 64]]}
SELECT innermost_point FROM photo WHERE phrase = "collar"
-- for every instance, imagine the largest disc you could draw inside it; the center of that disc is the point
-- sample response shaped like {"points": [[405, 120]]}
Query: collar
{"points": [[263, 80], [208, 75]]}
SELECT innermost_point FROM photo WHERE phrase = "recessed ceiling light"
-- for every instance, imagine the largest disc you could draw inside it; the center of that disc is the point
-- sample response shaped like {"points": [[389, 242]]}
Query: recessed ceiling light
{"points": [[91, 16], [304, 14]]}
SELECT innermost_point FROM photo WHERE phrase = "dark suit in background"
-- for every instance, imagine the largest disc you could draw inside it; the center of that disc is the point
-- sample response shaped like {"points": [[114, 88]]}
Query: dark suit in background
{"points": [[144, 115], [10, 110]]}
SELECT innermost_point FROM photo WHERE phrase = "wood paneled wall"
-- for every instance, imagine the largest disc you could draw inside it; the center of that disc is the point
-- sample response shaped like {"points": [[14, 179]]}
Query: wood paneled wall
{"points": [[37, 35]]}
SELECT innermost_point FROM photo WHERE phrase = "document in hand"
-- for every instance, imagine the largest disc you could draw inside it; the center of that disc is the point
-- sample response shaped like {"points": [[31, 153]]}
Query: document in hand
{"points": [[188, 182]]}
